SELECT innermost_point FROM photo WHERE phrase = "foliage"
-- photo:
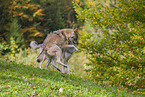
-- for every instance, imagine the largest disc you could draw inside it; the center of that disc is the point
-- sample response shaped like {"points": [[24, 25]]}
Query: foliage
{"points": [[29, 15], [24, 56], [59, 14], [36, 17], [3, 47], [77, 66], [14, 38], [26, 80], [117, 53], [16, 34], [9, 51], [13, 46], [3, 19]]}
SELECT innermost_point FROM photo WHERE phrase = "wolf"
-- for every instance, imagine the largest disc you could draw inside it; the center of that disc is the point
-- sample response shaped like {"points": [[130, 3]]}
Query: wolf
{"points": [[67, 53], [51, 47]]}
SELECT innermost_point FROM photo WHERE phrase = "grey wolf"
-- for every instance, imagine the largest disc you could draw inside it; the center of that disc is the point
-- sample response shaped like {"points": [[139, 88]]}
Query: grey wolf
{"points": [[67, 53], [51, 47]]}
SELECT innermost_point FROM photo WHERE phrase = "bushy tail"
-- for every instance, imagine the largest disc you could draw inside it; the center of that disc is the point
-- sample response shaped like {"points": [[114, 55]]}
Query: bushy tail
{"points": [[34, 45]]}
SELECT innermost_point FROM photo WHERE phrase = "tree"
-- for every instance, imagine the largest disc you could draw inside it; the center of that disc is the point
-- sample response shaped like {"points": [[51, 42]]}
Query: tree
{"points": [[29, 15], [4, 19], [36, 17], [16, 34], [59, 14]]}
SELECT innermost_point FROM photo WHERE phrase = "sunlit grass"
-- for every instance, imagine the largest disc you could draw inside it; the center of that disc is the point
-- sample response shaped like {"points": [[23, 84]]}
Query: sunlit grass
{"points": [[27, 80], [28, 57]]}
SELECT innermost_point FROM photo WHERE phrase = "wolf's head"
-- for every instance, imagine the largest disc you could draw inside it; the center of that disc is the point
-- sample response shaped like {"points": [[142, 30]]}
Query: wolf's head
{"points": [[76, 37], [68, 33]]}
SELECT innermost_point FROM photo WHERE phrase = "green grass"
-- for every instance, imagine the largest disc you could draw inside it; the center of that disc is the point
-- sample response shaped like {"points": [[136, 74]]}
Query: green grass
{"points": [[17, 80], [29, 56]]}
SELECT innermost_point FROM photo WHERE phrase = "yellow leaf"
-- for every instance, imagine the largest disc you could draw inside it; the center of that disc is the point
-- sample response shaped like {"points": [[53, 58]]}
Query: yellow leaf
{"points": [[26, 29], [36, 34], [26, 7], [37, 12], [25, 16], [21, 13], [40, 34]]}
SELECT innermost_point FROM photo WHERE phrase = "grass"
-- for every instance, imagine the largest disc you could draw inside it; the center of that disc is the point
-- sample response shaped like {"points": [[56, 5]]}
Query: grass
{"points": [[17, 80], [29, 56]]}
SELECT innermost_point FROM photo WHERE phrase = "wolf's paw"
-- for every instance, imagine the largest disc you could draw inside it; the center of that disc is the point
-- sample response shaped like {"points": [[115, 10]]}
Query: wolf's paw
{"points": [[58, 69], [65, 65]]}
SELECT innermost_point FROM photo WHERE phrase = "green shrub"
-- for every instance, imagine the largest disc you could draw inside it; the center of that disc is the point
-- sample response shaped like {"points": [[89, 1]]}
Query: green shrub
{"points": [[14, 38], [26, 57], [15, 35], [116, 55], [3, 48]]}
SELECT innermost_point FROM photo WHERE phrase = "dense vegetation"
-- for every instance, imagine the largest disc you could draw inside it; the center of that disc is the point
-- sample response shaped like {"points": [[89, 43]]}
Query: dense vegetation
{"points": [[112, 41], [116, 48], [35, 19]]}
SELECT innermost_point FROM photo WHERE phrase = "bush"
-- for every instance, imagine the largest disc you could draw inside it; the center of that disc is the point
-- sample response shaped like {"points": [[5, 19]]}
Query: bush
{"points": [[116, 50], [3, 48], [14, 38], [15, 35], [26, 57]]}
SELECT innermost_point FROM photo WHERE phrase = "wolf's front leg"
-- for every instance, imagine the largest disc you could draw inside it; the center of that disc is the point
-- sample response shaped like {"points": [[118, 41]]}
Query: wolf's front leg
{"points": [[63, 67], [67, 67], [70, 46]]}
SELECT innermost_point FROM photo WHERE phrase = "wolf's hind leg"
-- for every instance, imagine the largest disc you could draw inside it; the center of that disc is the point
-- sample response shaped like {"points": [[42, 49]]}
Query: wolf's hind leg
{"points": [[53, 63], [48, 62], [43, 59], [58, 54]]}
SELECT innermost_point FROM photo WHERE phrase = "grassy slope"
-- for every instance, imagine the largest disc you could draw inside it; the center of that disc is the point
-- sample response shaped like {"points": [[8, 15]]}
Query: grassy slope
{"points": [[18, 80]]}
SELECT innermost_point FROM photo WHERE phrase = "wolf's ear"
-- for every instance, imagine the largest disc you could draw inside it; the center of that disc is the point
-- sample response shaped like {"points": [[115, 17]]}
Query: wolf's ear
{"points": [[76, 29]]}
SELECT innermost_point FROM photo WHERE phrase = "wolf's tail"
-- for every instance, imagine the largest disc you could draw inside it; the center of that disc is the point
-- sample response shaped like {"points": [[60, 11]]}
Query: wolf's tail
{"points": [[34, 45]]}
